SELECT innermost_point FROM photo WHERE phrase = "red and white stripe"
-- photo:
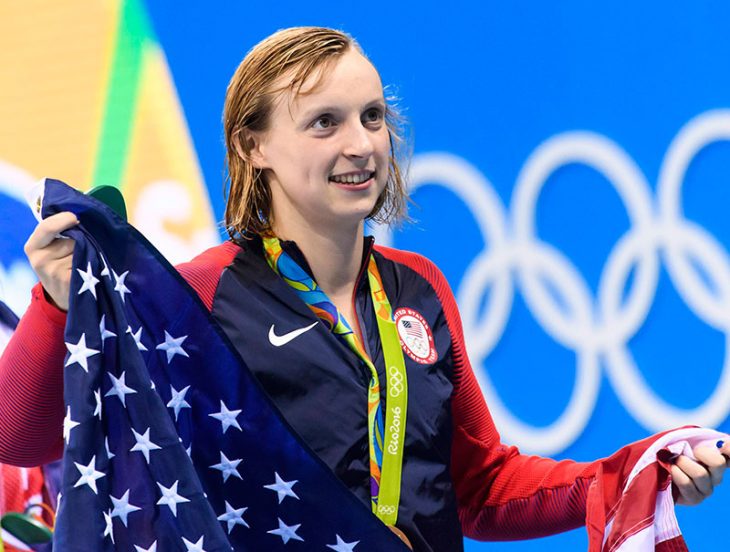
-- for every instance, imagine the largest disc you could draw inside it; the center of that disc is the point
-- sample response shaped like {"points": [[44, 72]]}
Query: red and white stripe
{"points": [[643, 519]]}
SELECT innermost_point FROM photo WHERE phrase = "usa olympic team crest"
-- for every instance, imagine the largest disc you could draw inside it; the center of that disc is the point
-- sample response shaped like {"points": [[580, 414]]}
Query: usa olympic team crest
{"points": [[415, 336]]}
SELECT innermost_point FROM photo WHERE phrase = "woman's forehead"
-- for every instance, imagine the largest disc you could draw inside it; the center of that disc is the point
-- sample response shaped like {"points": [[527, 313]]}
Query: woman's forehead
{"points": [[348, 78]]}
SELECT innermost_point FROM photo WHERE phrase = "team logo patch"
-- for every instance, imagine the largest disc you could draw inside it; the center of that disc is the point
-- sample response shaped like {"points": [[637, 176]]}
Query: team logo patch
{"points": [[415, 336]]}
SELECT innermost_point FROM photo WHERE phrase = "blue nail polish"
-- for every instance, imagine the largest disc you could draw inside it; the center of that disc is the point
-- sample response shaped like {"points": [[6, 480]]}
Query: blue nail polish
{"points": [[720, 443]]}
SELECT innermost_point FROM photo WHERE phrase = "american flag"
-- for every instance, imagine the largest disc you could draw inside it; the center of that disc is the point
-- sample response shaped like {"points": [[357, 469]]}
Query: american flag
{"points": [[171, 444], [636, 509], [412, 329]]}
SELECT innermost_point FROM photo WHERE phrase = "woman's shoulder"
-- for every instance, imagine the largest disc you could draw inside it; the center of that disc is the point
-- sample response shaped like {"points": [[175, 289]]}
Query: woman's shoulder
{"points": [[204, 271], [420, 264], [220, 255], [401, 255]]}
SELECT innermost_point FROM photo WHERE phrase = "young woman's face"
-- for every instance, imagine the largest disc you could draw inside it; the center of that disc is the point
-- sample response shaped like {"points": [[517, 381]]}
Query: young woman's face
{"points": [[325, 153]]}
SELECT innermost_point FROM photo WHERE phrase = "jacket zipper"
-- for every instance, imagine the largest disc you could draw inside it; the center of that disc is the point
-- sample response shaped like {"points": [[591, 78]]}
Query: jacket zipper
{"points": [[354, 296]]}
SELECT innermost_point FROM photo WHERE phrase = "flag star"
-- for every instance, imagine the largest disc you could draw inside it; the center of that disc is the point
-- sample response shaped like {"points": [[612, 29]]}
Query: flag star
{"points": [[282, 488], [89, 475], [172, 346], [68, 425], [228, 467], [170, 497], [122, 507], [109, 453], [227, 417], [233, 517], [194, 546], [144, 444], [80, 353], [89, 281], [109, 529], [343, 546], [152, 548], [178, 402], [189, 450], [137, 337], [287, 532], [105, 334], [97, 398], [120, 286], [119, 388]]}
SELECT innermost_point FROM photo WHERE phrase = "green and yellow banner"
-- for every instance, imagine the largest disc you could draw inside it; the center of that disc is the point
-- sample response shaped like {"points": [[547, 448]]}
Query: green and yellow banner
{"points": [[86, 96]]}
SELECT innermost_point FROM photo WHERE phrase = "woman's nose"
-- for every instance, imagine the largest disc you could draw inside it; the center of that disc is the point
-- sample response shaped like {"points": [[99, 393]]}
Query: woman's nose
{"points": [[358, 141]]}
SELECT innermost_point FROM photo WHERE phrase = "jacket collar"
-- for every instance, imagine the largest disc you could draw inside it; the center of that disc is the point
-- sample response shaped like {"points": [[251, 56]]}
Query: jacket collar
{"points": [[292, 249]]}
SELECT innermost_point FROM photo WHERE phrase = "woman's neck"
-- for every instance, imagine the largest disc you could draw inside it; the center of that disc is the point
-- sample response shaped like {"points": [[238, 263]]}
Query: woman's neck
{"points": [[335, 256]]}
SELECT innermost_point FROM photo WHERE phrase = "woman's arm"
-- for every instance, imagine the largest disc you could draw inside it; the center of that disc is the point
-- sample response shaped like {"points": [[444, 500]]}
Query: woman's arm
{"points": [[31, 367], [31, 386], [501, 494]]}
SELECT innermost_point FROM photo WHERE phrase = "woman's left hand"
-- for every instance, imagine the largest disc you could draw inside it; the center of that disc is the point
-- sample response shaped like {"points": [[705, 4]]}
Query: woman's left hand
{"points": [[696, 479]]}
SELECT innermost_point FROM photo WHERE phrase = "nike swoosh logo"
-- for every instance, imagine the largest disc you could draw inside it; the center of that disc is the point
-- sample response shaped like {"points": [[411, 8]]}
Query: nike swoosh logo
{"points": [[279, 340]]}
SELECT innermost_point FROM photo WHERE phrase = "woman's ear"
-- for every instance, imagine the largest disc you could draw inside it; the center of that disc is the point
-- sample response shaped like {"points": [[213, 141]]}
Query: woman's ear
{"points": [[252, 152]]}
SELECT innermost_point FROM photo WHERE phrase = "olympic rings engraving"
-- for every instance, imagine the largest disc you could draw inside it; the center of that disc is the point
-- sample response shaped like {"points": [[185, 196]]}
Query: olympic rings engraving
{"points": [[386, 509], [597, 327], [395, 382]]}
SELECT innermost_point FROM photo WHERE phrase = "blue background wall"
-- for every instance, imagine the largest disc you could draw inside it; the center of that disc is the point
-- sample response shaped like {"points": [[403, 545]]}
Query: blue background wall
{"points": [[495, 86]]}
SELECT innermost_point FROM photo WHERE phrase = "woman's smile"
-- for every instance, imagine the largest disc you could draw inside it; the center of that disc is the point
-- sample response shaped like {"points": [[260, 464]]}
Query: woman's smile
{"points": [[356, 180]]}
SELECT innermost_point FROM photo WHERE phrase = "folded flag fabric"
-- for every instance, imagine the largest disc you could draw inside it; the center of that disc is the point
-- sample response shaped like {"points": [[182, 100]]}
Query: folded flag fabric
{"points": [[642, 516], [171, 444]]}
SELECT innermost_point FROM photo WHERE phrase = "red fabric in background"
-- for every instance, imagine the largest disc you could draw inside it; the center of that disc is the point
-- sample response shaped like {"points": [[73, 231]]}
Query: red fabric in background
{"points": [[19, 488]]}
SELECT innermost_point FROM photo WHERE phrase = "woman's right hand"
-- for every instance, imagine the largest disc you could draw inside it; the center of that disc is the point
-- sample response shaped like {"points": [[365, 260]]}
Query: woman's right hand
{"points": [[51, 256]]}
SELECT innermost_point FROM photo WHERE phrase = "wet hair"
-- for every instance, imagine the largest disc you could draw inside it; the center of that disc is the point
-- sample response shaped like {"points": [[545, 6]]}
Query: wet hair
{"points": [[250, 98]]}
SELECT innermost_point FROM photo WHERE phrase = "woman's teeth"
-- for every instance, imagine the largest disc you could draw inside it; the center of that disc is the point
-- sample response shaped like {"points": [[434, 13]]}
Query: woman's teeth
{"points": [[351, 178]]}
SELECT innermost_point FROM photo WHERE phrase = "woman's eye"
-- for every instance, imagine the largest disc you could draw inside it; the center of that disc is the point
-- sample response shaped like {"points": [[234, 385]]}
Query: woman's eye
{"points": [[374, 115], [323, 122]]}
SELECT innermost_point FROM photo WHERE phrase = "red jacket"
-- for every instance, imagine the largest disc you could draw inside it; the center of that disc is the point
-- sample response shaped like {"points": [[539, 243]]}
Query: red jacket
{"points": [[499, 494]]}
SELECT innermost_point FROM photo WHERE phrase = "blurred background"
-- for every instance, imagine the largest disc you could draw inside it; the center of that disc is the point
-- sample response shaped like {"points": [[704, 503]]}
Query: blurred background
{"points": [[570, 178]]}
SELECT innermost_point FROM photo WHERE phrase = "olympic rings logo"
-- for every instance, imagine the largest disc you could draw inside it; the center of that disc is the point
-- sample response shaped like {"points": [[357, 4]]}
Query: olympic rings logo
{"points": [[597, 328], [385, 509], [395, 382]]}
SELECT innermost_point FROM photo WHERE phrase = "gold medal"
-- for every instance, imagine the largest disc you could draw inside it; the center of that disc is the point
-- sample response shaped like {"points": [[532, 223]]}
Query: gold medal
{"points": [[401, 535]]}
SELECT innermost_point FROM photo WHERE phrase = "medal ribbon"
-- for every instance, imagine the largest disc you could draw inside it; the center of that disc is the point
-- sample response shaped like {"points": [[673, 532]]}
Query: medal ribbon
{"points": [[385, 439]]}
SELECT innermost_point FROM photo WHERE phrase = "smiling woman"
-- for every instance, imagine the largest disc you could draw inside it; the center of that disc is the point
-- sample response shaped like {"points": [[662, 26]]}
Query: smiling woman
{"points": [[359, 346], [277, 98]]}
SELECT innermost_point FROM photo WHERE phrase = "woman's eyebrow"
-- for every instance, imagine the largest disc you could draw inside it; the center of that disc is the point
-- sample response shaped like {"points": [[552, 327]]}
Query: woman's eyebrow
{"points": [[377, 102], [315, 110]]}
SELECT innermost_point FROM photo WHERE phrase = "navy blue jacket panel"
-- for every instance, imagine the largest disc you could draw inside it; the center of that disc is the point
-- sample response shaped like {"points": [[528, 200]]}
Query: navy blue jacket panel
{"points": [[320, 385]]}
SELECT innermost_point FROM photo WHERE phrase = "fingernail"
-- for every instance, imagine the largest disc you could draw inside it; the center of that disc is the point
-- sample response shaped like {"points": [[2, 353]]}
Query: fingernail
{"points": [[720, 443]]}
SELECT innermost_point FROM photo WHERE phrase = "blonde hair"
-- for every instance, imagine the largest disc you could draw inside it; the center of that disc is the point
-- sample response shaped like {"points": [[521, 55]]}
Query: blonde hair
{"points": [[250, 97]]}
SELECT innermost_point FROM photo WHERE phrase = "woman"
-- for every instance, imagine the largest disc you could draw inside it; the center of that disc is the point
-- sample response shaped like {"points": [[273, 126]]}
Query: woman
{"points": [[311, 154]]}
